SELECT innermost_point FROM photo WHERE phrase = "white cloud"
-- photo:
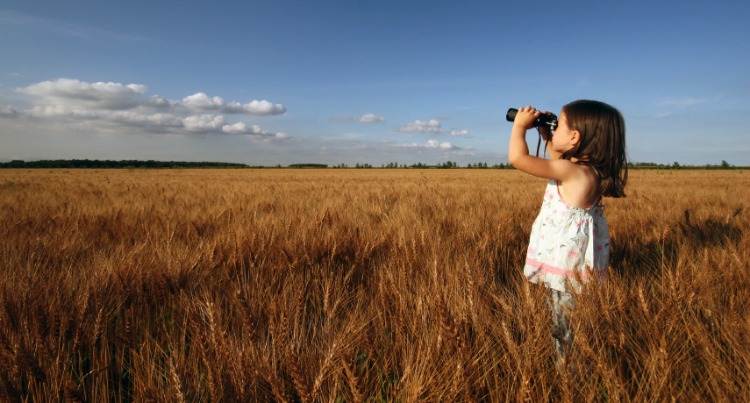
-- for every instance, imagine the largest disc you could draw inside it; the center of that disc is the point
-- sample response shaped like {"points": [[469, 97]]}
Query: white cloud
{"points": [[460, 133], [254, 130], [203, 123], [437, 144], [202, 102], [432, 127], [371, 118], [431, 144], [158, 101], [255, 107], [366, 118], [112, 96], [64, 100], [155, 122], [237, 128]]}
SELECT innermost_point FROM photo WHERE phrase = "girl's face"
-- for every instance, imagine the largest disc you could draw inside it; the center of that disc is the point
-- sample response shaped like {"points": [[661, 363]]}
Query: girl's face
{"points": [[562, 135]]}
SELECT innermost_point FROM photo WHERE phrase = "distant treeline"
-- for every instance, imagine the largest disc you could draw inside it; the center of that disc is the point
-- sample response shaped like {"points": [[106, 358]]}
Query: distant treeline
{"points": [[391, 165], [76, 163], [308, 166], [677, 165], [117, 164]]}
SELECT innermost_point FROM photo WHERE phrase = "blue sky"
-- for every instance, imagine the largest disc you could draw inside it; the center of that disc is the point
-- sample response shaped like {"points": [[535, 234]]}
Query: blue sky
{"points": [[333, 81]]}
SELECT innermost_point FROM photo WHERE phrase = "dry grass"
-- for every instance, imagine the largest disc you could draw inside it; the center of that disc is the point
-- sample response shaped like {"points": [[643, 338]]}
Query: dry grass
{"points": [[373, 285]]}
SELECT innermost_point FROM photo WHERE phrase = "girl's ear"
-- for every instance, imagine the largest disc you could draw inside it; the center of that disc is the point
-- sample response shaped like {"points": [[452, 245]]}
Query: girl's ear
{"points": [[575, 137]]}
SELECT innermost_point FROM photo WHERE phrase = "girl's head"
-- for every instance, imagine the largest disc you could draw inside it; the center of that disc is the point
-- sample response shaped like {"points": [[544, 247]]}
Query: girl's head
{"points": [[600, 142]]}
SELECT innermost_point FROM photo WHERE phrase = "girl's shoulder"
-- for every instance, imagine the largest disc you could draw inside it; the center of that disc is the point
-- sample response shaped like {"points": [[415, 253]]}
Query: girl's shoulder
{"points": [[580, 189]]}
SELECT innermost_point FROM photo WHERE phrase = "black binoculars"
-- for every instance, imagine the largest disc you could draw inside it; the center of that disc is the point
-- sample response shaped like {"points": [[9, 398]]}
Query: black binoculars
{"points": [[545, 119]]}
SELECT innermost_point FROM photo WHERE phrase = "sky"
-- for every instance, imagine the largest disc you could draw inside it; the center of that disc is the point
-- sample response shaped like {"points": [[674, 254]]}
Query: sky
{"points": [[352, 82]]}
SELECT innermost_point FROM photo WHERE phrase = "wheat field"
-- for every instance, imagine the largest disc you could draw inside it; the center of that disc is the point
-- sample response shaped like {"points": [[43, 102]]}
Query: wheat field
{"points": [[360, 286]]}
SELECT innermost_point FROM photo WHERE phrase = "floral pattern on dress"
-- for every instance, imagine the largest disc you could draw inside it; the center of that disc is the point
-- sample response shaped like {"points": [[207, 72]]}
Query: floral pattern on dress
{"points": [[568, 245]]}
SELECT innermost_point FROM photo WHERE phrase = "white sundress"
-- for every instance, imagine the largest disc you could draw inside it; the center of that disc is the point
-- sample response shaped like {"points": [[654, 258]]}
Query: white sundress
{"points": [[568, 244]]}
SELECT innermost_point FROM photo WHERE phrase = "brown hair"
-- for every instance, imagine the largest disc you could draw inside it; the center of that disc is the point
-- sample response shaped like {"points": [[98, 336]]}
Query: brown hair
{"points": [[602, 143]]}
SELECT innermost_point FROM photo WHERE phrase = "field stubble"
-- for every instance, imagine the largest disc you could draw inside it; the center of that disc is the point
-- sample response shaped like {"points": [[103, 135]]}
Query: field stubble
{"points": [[359, 285]]}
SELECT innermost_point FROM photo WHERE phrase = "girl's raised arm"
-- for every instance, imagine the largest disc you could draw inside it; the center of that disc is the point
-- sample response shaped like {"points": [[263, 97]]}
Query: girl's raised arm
{"points": [[518, 150]]}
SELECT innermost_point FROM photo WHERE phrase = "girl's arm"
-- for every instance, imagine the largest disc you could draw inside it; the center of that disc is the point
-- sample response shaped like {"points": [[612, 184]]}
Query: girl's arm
{"points": [[518, 151]]}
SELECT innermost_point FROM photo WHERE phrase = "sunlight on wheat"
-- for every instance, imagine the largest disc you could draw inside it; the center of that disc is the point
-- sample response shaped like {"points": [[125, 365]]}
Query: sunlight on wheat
{"points": [[360, 285]]}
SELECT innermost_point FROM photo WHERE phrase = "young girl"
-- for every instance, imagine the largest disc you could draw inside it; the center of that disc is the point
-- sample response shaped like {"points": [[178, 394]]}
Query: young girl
{"points": [[569, 239]]}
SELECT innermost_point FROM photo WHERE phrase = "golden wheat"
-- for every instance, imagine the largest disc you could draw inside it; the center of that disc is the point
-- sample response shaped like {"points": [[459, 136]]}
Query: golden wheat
{"points": [[360, 285]]}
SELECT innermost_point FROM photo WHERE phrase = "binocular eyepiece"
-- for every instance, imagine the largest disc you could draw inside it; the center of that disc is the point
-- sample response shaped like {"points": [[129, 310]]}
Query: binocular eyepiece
{"points": [[545, 119]]}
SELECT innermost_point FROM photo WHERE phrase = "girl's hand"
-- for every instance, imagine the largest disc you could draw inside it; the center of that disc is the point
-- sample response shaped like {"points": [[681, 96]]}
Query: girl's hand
{"points": [[525, 117]]}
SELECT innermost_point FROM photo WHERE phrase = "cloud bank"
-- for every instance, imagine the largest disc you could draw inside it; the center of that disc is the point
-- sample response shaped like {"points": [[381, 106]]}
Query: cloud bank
{"points": [[58, 117], [126, 105]]}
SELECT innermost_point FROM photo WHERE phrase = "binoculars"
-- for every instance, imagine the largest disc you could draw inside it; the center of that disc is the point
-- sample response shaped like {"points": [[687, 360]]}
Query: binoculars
{"points": [[545, 119]]}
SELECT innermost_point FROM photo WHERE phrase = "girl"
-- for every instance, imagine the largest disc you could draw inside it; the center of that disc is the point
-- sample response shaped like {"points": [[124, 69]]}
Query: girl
{"points": [[569, 239]]}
